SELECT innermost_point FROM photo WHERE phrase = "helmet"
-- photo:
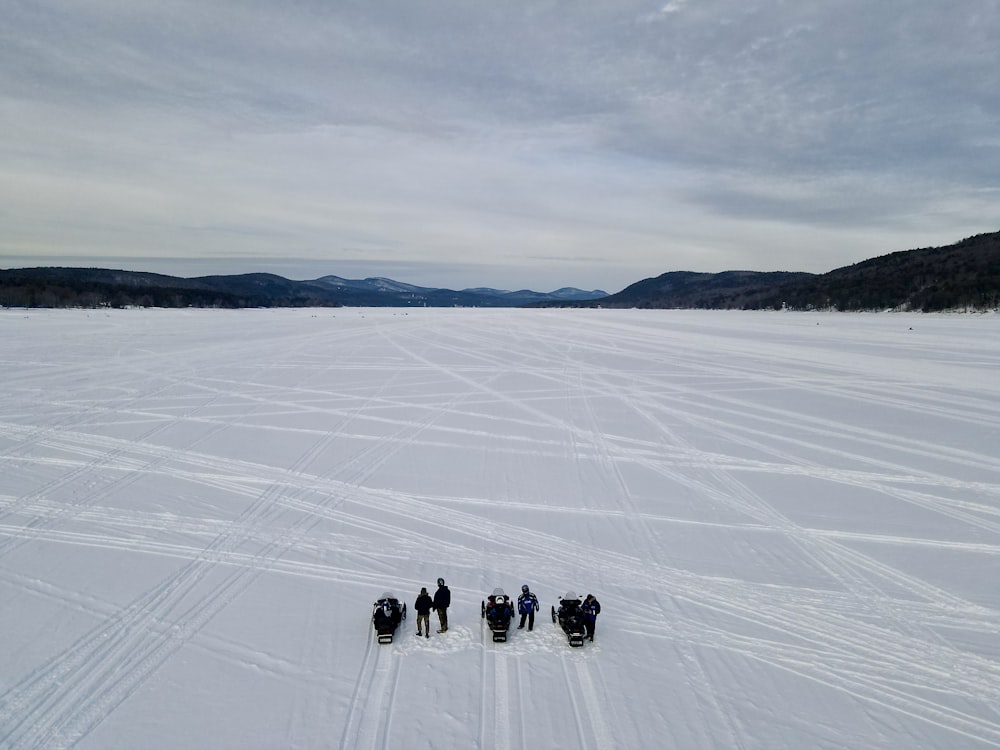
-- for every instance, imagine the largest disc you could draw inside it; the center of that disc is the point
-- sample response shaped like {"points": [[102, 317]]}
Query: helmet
{"points": [[440, 582], [524, 588]]}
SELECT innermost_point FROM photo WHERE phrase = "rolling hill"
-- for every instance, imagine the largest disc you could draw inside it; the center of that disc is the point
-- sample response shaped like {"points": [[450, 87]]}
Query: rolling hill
{"points": [[963, 275]]}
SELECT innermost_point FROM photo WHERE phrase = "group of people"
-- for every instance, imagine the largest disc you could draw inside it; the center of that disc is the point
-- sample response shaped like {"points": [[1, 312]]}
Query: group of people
{"points": [[527, 605], [439, 603]]}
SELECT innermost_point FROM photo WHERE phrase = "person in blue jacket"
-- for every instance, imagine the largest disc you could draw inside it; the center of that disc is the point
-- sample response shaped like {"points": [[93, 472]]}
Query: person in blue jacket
{"points": [[591, 608], [527, 605], [442, 600]]}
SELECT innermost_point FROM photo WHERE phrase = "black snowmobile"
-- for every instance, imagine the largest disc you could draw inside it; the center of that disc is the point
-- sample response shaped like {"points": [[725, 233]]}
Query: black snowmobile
{"points": [[387, 613], [570, 618], [498, 612]]}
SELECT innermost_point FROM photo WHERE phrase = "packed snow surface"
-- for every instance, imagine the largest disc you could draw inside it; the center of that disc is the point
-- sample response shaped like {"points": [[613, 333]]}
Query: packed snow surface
{"points": [[792, 522]]}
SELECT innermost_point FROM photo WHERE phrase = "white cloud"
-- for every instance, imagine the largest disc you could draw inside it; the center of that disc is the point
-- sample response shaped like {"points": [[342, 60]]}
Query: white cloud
{"points": [[674, 6]]}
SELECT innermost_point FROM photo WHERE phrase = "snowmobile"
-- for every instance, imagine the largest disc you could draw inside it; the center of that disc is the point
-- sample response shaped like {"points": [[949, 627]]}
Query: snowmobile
{"points": [[387, 613], [570, 618], [498, 612]]}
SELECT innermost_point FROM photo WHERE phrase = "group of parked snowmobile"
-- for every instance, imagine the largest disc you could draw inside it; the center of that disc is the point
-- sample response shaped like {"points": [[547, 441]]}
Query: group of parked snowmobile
{"points": [[575, 616]]}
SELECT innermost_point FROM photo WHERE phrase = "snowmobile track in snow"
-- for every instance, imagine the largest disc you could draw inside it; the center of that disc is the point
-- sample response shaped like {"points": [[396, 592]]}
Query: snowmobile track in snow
{"points": [[765, 509]]}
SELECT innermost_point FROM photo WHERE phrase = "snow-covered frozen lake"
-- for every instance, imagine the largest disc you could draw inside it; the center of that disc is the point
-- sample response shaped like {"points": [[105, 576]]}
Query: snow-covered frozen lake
{"points": [[792, 522]]}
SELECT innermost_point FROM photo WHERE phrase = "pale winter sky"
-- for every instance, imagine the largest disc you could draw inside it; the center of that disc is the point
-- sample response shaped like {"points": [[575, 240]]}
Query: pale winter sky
{"points": [[590, 143]]}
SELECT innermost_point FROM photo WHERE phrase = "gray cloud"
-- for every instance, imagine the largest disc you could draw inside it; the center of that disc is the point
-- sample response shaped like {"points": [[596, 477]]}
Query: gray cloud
{"points": [[540, 137]]}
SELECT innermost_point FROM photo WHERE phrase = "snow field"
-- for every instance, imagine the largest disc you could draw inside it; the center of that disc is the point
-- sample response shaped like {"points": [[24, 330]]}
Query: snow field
{"points": [[792, 522]]}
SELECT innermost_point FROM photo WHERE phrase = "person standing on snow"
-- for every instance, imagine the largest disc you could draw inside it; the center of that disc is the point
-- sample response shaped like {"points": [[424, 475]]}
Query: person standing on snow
{"points": [[527, 605], [591, 609], [442, 600], [423, 605]]}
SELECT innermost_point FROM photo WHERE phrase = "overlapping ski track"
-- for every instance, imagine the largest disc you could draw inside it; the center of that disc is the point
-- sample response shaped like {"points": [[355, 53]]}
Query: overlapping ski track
{"points": [[875, 632]]}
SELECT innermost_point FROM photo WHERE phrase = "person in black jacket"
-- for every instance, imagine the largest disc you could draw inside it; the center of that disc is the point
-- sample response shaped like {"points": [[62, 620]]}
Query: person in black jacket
{"points": [[423, 605], [442, 600]]}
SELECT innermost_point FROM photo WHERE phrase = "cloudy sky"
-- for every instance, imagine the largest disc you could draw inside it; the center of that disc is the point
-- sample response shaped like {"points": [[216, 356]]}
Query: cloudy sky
{"points": [[511, 144]]}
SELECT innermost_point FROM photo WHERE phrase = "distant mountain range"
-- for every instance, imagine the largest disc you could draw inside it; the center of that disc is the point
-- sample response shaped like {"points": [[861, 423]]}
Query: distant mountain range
{"points": [[99, 287], [396, 293], [965, 275]]}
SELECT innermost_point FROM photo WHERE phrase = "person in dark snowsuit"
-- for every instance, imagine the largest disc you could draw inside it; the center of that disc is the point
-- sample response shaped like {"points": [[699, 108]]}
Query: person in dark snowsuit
{"points": [[442, 600], [591, 608], [527, 605], [423, 605]]}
